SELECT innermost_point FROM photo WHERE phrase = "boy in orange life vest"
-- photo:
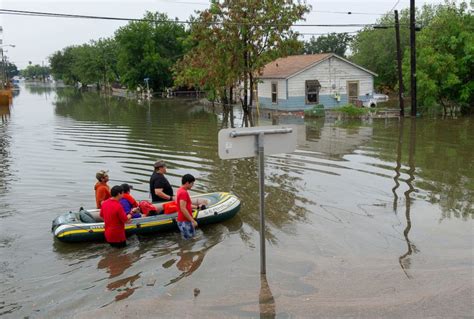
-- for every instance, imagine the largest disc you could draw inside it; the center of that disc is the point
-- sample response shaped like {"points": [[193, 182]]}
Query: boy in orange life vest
{"points": [[102, 190], [115, 218], [186, 222]]}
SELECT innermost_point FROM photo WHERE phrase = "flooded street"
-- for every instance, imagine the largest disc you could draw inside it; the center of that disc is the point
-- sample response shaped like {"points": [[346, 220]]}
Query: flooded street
{"points": [[363, 220]]}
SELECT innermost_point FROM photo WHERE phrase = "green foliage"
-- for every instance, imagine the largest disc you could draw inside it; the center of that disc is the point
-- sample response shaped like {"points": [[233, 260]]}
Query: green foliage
{"points": [[11, 69], [139, 50], [375, 49], [240, 46], [315, 111], [332, 43], [445, 61], [148, 49], [61, 63], [351, 110], [88, 63], [35, 71]]}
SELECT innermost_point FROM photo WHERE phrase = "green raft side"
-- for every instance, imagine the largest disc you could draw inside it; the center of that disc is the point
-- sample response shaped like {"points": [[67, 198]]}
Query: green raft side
{"points": [[152, 225]]}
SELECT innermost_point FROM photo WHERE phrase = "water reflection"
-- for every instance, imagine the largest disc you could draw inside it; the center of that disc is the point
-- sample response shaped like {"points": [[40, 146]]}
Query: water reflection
{"points": [[399, 164], [40, 89], [333, 140], [227, 117], [191, 254], [5, 113], [5, 156], [404, 260], [115, 262], [266, 300]]}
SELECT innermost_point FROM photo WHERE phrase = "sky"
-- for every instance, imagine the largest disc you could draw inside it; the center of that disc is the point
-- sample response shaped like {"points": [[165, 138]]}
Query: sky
{"points": [[36, 38]]}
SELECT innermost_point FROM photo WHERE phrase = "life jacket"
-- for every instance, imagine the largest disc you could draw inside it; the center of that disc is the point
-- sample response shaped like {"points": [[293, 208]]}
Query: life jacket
{"points": [[146, 208], [170, 207]]}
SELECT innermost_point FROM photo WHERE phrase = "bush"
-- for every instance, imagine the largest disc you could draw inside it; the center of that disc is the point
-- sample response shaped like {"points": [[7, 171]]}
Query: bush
{"points": [[351, 110], [315, 111]]}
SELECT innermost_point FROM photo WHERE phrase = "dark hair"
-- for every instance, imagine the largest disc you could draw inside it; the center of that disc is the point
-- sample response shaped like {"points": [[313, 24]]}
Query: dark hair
{"points": [[126, 188], [187, 178], [117, 189]]}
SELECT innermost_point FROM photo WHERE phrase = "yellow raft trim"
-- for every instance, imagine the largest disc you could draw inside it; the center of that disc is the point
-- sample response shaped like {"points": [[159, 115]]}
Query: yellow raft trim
{"points": [[101, 230]]}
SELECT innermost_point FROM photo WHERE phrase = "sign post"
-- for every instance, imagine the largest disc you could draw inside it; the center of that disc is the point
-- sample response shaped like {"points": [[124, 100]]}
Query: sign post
{"points": [[250, 141]]}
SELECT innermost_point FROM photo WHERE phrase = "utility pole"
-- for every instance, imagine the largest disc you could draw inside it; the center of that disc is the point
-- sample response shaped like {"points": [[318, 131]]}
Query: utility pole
{"points": [[3, 70], [413, 57], [399, 63]]}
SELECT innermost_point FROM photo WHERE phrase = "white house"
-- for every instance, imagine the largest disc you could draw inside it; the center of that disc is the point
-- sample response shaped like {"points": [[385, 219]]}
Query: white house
{"points": [[299, 82]]}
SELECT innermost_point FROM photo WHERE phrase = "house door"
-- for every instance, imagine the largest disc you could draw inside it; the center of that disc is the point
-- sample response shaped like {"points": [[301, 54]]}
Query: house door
{"points": [[353, 92]]}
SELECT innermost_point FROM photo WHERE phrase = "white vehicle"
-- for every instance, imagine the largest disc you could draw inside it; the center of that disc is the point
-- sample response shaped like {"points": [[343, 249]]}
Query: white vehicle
{"points": [[372, 100]]}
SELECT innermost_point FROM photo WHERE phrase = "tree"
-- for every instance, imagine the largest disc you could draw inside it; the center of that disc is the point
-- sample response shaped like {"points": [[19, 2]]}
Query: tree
{"points": [[62, 65], [85, 65], [93, 63], [148, 49], [375, 49], [11, 69], [211, 64], [332, 43], [35, 71], [237, 38], [445, 60], [106, 60]]}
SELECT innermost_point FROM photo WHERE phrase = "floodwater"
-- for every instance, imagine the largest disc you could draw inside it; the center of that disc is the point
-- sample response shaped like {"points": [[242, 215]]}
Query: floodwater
{"points": [[365, 219]]}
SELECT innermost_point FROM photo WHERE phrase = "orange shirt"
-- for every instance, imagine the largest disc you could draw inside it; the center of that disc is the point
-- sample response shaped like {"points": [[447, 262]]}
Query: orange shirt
{"points": [[102, 192]]}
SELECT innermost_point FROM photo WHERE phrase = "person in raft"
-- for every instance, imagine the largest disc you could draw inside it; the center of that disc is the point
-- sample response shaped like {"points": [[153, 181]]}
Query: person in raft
{"points": [[102, 189], [160, 188], [115, 218], [186, 223], [129, 204]]}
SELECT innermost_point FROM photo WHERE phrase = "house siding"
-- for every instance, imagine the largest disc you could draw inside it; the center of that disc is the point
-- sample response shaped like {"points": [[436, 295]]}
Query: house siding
{"points": [[265, 89], [333, 71]]}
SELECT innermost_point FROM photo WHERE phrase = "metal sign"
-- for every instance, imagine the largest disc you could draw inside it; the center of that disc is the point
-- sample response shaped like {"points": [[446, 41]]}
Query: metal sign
{"points": [[257, 141], [278, 139]]}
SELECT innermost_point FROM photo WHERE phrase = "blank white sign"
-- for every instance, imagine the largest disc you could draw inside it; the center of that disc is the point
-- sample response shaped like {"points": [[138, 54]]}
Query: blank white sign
{"points": [[246, 146]]}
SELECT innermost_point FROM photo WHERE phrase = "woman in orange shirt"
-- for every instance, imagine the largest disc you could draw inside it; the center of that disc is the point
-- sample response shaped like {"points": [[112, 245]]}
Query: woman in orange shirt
{"points": [[102, 190]]}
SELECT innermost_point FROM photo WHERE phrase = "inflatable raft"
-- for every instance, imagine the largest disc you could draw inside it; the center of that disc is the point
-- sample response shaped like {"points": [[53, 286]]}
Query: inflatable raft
{"points": [[86, 225]]}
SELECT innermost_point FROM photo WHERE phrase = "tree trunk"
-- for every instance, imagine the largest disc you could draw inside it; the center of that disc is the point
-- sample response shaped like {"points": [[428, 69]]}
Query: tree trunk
{"points": [[246, 84], [251, 89]]}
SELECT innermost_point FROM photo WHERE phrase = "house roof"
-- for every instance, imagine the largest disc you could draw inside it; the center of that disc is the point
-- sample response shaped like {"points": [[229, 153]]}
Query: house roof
{"points": [[283, 68]]}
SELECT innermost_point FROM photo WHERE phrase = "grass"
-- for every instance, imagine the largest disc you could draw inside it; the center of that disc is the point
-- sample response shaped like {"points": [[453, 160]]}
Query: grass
{"points": [[351, 110]]}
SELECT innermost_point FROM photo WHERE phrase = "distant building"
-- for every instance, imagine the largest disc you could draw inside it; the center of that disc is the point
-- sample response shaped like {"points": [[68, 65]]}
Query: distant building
{"points": [[299, 82]]}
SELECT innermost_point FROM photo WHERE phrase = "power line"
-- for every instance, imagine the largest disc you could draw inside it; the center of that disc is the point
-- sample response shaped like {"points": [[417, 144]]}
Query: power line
{"points": [[327, 33], [348, 12], [77, 16], [396, 4], [317, 11]]}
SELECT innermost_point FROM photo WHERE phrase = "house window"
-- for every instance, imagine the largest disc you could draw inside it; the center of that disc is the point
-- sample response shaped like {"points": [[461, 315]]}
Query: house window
{"points": [[274, 92], [312, 91]]}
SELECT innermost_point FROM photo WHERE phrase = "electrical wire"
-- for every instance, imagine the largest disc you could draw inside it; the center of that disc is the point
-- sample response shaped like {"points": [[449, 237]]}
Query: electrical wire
{"points": [[327, 33], [349, 12], [317, 11], [77, 16], [396, 4]]}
